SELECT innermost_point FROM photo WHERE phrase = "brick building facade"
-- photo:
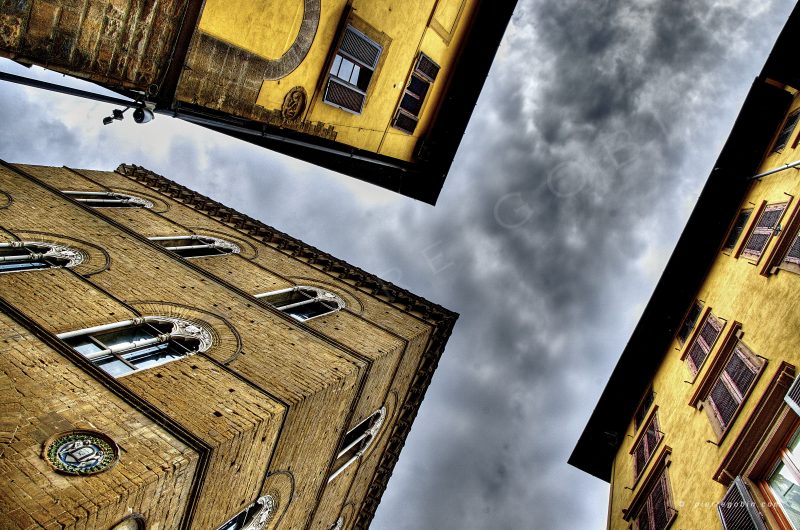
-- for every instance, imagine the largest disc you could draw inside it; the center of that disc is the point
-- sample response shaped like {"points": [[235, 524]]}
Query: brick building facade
{"points": [[170, 363]]}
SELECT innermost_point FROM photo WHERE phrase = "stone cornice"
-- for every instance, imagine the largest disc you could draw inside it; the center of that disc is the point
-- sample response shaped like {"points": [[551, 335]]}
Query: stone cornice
{"points": [[440, 318]]}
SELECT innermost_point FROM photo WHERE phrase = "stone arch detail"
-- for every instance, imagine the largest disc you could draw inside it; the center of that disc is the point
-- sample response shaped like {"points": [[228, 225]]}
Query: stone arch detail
{"points": [[226, 340]]}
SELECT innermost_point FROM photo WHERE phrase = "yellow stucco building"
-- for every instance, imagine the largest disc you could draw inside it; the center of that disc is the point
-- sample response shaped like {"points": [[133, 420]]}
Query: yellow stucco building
{"points": [[378, 89], [698, 427]]}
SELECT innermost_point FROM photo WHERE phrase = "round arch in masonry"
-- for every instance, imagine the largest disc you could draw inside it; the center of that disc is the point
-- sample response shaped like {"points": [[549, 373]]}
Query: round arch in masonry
{"points": [[303, 302], [17, 256], [125, 347]]}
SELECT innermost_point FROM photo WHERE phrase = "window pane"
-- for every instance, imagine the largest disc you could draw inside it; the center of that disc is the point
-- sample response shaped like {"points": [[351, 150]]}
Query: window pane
{"points": [[307, 311], [153, 355], [176, 242], [418, 86], [364, 77], [355, 74], [22, 265], [83, 345], [346, 70], [200, 252], [114, 366], [787, 491], [280, 300], [126, 336], [13, 252], [411, 104], [337, 63]]}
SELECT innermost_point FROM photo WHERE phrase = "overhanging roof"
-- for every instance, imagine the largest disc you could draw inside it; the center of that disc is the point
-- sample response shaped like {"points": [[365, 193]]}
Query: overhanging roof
{"points": [[696, 251]]}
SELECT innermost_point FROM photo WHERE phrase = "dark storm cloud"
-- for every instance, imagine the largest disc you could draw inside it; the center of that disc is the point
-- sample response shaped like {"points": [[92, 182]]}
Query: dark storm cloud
{"points": [[598, 124]]}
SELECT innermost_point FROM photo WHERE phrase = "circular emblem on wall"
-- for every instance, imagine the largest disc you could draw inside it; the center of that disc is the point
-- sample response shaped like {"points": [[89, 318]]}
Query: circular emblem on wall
{"points": [[81, 452], [294, 103]]}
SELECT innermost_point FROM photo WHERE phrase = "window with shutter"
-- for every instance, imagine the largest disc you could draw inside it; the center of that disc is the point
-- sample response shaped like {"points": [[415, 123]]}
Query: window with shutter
{"points": [[738, 511], [732, 385], [703, 342], [763, 230], [737, 229], [423, 75], [786, 133], [657, 511], [646, 446], [351, 72]]}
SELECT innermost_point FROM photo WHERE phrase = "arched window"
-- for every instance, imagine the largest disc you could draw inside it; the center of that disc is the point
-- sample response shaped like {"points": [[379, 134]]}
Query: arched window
{"points": [[254, 517], [195, 246], [108, 199], [19, 256], [304, 303], [125, 347], [357, 441]]}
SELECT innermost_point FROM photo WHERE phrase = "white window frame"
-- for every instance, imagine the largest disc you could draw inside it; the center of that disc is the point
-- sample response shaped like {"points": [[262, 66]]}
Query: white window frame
{"points": [[180, 329], [322, 296]]}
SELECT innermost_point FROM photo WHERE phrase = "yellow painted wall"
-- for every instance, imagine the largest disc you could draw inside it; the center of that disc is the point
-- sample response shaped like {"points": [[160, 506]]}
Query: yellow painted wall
{"points": [[267, 29], [767, 307]]}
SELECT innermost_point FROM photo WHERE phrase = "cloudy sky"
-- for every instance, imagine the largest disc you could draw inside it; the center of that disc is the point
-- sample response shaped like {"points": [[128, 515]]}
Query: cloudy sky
{"points": [[594, 134]]}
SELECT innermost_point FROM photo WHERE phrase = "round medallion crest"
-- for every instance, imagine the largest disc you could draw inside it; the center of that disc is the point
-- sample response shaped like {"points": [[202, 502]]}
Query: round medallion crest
{"points": [[81, 452], [294, 103]]}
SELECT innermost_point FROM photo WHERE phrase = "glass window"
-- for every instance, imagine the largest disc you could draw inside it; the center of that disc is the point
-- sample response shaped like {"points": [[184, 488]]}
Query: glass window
{"points": [[257, 514], [356, 441], [125, 347], [352, 70], [108, 199], [304, 303], [25, 256], [423, 75], [195, 246], [784, 482]]}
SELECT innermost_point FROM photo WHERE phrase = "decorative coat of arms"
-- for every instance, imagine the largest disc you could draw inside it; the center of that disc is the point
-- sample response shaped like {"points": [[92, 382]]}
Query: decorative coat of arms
{"points": [[81, 452], [294, 103]]}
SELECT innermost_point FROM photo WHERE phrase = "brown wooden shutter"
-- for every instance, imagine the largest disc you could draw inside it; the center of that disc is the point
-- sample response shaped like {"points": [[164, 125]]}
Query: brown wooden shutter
{"points": [[639, 459], [738, 511], [657, 511], [763, 230], [658, 500], [793, 256], [792, 397], [740, 371], [360, 47], [723, 402], [703, 343], [343, 96], [427, 67]]}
